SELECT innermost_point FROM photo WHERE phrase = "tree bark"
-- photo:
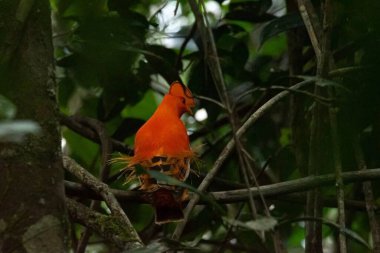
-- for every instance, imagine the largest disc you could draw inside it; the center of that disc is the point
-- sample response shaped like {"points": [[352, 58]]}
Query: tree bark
{"points": [[32, 210]]}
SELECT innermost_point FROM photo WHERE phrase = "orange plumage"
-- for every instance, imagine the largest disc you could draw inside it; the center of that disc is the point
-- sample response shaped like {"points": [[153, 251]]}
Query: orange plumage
{"points": [[162, 144]]}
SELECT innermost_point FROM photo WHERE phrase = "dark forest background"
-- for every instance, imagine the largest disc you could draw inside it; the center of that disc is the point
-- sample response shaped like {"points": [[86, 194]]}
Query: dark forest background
{"points": [[286, 126]]}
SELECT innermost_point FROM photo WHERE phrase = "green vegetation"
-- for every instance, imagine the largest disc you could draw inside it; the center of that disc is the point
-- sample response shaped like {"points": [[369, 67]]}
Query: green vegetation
{"points": [[285, 90]]}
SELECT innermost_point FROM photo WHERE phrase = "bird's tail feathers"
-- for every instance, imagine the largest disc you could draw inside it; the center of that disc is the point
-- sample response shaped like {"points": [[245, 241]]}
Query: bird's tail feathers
{"points": [[167, 208]]}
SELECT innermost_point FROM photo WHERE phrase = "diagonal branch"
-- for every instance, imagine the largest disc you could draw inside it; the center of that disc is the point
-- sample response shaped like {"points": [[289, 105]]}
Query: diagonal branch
{"points": [[313, 26], [104, 191], [106, 150], [109, 227], [74, 123], [227, 151], [211, 54]]}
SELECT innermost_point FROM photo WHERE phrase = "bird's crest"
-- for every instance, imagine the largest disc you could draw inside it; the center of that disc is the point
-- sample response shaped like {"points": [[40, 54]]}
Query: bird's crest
{"points": [[179, 90]]}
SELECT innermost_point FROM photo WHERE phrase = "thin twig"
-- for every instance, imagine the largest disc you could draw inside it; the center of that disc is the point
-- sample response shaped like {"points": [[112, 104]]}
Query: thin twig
{"points": [[176, 8], [229, 230], [346, 70], [313, 27], [269, 159], [211, 100], [184, 44], [320, 99], [85, 236], [276, 237], [211, 54], [244, 169], [253, 176], [247, 169], [267, 106]]}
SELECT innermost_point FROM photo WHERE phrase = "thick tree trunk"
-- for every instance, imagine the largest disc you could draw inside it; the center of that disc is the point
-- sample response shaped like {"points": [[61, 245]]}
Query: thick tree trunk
{"points": [[32, 210]]}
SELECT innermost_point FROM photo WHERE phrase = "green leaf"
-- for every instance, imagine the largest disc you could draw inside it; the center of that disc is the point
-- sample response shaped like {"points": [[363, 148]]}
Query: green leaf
{"points": [[66, 89], [279, 25], [164, 178], [173, 181], [81, 8], [274, 47], [7, 108], [163, 245], [251, 11], [163, 60], [260, 224], [15, 130], [348, 232], [151, 248], [285, 137], [83, 150], [143, 109]]}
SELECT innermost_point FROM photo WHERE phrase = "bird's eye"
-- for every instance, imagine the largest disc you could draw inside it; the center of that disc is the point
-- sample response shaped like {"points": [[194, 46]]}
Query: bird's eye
{"points": [[183, 100]]}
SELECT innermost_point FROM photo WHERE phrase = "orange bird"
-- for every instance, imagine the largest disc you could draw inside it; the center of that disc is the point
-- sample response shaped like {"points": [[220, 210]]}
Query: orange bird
{"points": [[162, 144]]}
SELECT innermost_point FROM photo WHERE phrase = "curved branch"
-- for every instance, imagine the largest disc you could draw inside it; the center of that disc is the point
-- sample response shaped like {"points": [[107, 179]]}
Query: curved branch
{"points": [[109, 227], [77, 126], [104, 191]]}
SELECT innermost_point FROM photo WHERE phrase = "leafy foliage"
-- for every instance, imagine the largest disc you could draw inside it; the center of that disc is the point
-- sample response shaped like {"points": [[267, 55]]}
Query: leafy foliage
{"points": [[115, 59]]}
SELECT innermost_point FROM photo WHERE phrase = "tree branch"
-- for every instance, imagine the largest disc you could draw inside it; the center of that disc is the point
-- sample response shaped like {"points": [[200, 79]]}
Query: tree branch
{"points": [[234, 196], [323, 69], [74, 123], [104, 191], [79, 190], [184, 44], [296, 185], [106, 150], [312, 24], [227, 151], [368, 196], [110, 228]]}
